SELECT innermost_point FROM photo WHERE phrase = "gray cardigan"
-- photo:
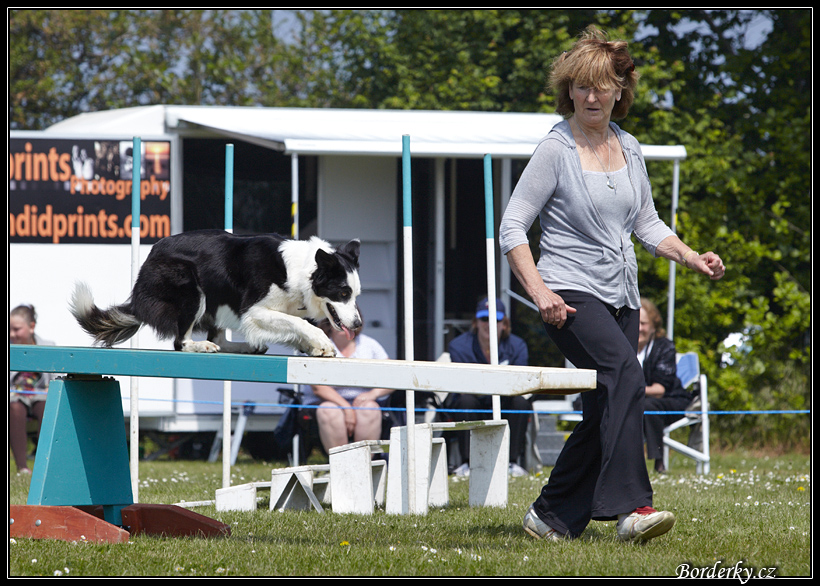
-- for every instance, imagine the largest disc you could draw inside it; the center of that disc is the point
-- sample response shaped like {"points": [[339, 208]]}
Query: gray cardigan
{"points": [[579, 251]]}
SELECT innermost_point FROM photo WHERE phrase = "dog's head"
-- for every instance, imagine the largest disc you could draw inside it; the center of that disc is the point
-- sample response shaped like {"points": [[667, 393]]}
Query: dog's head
{"points": [[336, 282]]}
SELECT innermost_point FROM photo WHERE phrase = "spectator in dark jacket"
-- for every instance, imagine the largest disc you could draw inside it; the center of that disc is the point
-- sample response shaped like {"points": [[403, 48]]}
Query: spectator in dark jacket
{"points": [[664, 391]]}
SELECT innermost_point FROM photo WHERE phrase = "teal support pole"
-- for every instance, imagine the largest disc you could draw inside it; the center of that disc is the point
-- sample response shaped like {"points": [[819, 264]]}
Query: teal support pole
{"points": [[229, 188]]}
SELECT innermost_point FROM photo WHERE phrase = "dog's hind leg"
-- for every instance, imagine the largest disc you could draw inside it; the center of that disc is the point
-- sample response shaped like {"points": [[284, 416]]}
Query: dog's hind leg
{"points": [[219, 338], [187, 325], [167, 296]]}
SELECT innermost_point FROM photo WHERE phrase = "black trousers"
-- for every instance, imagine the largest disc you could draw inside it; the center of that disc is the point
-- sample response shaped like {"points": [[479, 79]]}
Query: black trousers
{"points": [[601, 471]]}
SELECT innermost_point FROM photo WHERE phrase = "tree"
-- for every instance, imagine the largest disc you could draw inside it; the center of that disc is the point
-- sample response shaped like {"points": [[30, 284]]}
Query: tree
{"points": [[64, 62], [735, 94], [747, 193]]}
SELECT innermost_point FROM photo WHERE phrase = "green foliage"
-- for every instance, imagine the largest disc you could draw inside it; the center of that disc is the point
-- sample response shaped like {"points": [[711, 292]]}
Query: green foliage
{"points": [[732, 86]]}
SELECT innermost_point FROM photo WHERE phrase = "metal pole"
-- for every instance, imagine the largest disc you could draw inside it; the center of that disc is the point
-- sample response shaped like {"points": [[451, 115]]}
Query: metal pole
{"points": [[408, 318], [226, 385], [134, 416], [489, 223], [670, 317]]}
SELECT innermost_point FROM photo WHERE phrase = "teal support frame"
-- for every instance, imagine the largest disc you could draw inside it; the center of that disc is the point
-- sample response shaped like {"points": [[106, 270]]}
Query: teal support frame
{"points": [[82, 456]]}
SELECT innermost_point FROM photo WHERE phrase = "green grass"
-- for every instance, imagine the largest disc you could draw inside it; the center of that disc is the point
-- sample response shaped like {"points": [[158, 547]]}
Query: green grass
{"points": [[751, 511]]}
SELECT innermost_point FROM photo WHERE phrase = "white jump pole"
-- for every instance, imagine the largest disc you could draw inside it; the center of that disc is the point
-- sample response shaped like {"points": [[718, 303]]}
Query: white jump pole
{"points": [[408, 318], [489, 222], [294, 233], [226, 385], [670, 316], [294, 196], [134, 416]]}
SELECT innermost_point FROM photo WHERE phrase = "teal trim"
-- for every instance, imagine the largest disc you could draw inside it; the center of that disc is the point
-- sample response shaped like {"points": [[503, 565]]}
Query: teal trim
{"points": [[229, 187], [407, 197], [136, 178], [148, 363], [489, 222]]}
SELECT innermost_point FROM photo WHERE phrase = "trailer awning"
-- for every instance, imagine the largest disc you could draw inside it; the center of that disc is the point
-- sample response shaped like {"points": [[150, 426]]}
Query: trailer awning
{"points": [[326, 131]]}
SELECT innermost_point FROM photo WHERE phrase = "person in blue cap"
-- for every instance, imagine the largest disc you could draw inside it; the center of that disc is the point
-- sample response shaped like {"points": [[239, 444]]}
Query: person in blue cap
{"points": [[474, 347]]}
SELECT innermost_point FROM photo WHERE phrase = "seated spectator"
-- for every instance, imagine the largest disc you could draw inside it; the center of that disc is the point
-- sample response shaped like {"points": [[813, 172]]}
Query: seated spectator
{"points": [[348, 414], [664, 391], [27, 390], [474, 347]]}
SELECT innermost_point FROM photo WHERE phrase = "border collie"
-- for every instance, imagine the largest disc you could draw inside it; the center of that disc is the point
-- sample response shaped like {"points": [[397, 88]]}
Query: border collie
{"points": [[265, 287]]}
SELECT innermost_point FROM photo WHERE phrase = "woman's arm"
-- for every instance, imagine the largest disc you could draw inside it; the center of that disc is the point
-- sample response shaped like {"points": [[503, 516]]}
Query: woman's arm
{"points": [[551, 306], [707, 263]]}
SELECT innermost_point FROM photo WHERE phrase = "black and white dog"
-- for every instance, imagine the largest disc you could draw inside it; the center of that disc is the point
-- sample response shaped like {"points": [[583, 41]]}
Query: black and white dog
{"points": [[260, 286]]}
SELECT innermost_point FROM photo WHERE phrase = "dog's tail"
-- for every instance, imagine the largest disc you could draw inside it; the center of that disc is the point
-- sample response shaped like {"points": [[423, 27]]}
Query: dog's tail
{"points": [[107, 326]]}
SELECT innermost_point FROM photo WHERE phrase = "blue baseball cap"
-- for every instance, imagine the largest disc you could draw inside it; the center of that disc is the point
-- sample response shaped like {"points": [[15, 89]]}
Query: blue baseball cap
{"points": [[483, 309]]}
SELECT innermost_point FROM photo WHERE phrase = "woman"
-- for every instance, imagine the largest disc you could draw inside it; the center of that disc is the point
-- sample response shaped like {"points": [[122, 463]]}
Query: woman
{"points": [[347, 414], [474, 347], [664, 391], [27, 390], [587, 183]]}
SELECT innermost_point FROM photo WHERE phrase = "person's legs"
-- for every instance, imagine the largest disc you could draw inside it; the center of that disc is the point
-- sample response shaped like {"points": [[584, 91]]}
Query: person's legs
{"points": [[653, 424], [518, 412], [18, 415], [368, 422], [469, 409], [601, 472], [653, 430], [332, 428]]}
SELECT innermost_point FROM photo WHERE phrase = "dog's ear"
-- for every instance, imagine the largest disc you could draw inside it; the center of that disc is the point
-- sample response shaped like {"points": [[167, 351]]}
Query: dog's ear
{"points": [[352, 249], [323, 258]]}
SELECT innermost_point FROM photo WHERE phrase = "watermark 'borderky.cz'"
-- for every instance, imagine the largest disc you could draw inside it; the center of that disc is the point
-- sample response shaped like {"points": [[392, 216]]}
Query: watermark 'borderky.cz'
{"points": [[719, 570]]}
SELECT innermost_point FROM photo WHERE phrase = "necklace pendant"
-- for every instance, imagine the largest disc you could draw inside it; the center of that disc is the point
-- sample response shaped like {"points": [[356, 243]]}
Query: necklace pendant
{"points": [[610, 183]]}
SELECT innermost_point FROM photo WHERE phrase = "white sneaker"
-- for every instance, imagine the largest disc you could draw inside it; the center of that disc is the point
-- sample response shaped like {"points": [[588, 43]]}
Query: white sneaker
{"points": [[535, 527], [517, 471], [643, 524], [463, 470]]}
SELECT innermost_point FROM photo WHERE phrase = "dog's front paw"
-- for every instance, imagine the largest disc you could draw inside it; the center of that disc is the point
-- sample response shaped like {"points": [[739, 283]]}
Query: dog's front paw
{"points": [[323, 351]]}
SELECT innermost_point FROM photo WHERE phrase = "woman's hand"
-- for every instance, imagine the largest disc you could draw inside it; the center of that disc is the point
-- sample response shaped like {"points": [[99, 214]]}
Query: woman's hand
{"points": [[552, 308], [707, 263]]}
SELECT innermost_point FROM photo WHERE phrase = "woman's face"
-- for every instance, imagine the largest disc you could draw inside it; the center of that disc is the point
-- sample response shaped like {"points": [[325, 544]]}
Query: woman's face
{"points": [[21, 331], [646, 330], [593, 107]]}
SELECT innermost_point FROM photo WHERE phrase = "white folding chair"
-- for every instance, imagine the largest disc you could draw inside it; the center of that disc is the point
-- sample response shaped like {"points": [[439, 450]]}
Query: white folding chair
{"points": [[696, 415]]}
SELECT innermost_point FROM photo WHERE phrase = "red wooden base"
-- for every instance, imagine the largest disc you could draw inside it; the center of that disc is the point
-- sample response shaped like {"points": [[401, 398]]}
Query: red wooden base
{"points": [[62, 523], [87, 524], [171, 521]]}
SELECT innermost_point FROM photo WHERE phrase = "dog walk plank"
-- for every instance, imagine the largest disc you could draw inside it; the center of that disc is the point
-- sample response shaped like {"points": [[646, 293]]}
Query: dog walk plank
{"points": [[395, 374]]}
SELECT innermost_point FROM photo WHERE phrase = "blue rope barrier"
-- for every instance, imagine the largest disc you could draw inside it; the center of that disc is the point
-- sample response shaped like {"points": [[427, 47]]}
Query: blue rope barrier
{"points": [[419, 409]]}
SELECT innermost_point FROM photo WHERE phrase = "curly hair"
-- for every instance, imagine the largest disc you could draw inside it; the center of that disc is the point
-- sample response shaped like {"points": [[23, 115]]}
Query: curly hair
{"points": [[594, 61]]}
